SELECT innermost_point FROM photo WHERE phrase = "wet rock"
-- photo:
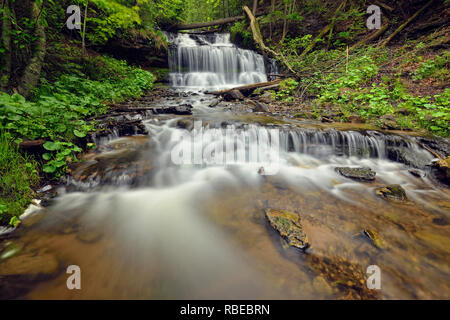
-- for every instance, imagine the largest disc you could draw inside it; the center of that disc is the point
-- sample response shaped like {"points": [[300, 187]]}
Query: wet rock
{"points": [[89, 235], [408, 157], [326, 119], [392, 192], [360, 174], [289, 227], [32, 218], [83, 169], [214, 103], [10, 250], [45, 189], [32, 215], [441, 221], [233, 95], [116, 156], [374, 238], [30, 265], [185, 124], [439, 145], [322, 287], [184, 109], [441, 170], [416, 173], [348, 278]]}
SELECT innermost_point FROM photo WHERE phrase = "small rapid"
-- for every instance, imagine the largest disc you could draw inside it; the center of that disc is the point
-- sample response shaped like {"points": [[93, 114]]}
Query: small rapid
{"points": [[179, 213]]}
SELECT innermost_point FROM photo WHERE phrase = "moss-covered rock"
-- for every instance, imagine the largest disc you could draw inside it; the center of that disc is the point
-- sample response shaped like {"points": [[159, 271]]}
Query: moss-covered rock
{"points": [[360, 174], [374, 238], [392, 192], [289, 226]]}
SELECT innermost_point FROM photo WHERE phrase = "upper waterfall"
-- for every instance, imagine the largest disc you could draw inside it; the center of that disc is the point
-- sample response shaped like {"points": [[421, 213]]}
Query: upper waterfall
{"points": [[212, 62]]}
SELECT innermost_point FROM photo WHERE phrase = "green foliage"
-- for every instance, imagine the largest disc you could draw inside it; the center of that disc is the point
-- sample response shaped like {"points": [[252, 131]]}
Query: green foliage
{"points": [[355, 90], [18, 173], [57, 112], [287, 90], [241, 34]]}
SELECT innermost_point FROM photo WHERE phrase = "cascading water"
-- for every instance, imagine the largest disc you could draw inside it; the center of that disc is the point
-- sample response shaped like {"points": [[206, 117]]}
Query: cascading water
{"points": [[212, 62], [141, 223]]}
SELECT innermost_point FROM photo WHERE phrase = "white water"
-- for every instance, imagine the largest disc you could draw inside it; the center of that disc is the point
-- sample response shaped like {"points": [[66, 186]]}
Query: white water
{"points": [[161, 241], [212, 62]]}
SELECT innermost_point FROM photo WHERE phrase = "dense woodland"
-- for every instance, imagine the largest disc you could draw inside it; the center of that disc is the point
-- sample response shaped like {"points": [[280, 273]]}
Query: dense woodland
{"points": [[54, 79]]}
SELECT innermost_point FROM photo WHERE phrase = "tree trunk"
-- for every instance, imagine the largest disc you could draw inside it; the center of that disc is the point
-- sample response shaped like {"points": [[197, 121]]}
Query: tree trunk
{"points": [[284, 22], [255, 6], [258, 39], [272, 22], [6, 41], [30, 77], [83, 36], [323, 32]]}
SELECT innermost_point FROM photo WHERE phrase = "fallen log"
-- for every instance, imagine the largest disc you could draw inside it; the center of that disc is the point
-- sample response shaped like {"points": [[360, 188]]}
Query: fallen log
{"points": [[207, 24], [400, 29], [247, 88], [323, 31], [370, 38], [219, 22], [27, 144]]}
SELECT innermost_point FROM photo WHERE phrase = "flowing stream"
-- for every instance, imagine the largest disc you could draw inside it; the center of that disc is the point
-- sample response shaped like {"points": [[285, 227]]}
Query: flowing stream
{"points": [[179, 213]]}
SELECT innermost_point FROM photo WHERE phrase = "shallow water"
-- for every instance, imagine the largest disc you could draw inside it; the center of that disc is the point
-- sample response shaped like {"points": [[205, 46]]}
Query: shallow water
{"points": [[161, 217], [198, 231]]}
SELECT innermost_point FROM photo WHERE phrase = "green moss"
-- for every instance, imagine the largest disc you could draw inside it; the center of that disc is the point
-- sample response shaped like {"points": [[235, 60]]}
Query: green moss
{"points": [[18, 173]]}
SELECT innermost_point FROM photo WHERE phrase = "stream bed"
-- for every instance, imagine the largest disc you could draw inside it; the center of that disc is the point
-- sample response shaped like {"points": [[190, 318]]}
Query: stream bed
{"points": [[145, 218]]}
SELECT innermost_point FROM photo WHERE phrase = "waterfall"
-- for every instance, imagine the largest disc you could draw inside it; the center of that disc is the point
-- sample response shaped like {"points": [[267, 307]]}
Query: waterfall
{"points": [[212, 62]]}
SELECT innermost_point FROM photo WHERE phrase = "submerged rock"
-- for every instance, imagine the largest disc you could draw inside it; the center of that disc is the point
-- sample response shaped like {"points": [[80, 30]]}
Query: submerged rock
{"points": [[416, 173], [184, 109], [289, 227], [342, 277], [322, 286], [30, 265], [360, 174], [441, 170], [261, 107], [10, 250], [233, 95], [392, 192], [374, 238]]}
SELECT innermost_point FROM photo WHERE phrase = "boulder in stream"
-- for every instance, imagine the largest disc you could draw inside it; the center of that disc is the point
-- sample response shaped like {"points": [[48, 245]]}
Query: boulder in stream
{"points": [[360, 174], [214, 103], [392, 192], [289, 227], [374, 238], [233, 95], [183, 109], [441, 170]]}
